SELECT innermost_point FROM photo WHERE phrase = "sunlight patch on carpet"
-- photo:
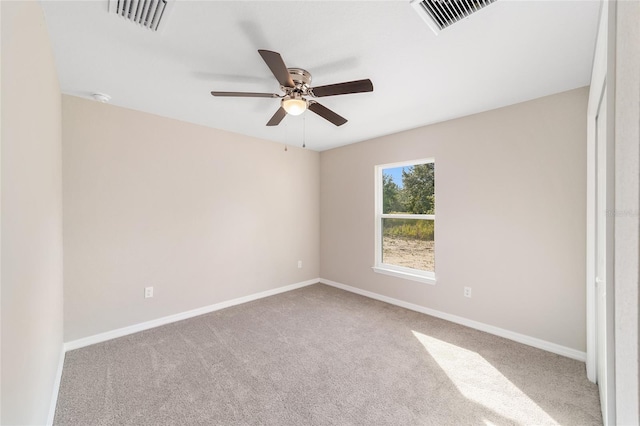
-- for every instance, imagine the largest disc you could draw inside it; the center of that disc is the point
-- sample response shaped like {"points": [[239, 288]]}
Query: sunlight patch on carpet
{"points": [[480, 382]]}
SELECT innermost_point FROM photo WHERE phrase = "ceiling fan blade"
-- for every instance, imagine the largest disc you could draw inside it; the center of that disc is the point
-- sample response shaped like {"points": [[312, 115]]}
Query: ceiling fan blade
{"points": [[326, 113], [278, 68], [277, 117], [357, 86], [246, 94]]}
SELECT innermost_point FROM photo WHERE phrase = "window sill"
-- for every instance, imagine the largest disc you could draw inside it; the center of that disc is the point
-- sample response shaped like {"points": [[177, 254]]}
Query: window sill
{"points": [[405, 275]]}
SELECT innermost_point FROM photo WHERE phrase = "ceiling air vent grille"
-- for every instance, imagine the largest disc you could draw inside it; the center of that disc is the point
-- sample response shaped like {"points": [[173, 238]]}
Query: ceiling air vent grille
{"points": [[440, 14], [146, 13]]}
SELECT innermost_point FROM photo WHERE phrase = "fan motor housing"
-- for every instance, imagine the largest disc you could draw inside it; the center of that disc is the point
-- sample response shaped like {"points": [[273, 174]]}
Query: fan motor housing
{"points": [[300, 76]]}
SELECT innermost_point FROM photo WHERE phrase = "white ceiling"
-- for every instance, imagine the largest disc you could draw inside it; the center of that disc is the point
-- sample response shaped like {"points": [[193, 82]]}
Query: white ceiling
{"points": [[509, 52]]}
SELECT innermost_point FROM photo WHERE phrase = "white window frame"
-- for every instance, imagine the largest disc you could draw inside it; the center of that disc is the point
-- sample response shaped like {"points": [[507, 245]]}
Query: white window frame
{"points": [[428, 277]]}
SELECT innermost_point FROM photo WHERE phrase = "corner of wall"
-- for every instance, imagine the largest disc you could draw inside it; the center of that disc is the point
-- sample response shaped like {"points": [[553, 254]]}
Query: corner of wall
{"points": [[30, 217]]}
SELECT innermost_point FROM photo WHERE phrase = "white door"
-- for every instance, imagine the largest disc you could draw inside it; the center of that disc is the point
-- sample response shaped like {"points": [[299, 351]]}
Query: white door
{"points": [[604, 290]]}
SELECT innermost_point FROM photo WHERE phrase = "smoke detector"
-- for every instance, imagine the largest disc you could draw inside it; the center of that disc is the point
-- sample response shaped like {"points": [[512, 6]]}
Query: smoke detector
{"points": [[101, 97]]}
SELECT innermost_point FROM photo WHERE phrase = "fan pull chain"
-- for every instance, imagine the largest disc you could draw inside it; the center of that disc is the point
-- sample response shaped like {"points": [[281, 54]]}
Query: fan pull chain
{"points": [[304, 130]]}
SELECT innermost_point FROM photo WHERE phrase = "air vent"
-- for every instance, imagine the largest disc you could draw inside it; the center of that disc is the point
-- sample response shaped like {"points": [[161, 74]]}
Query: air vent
{"points": [[440, 14], [146, 13]]}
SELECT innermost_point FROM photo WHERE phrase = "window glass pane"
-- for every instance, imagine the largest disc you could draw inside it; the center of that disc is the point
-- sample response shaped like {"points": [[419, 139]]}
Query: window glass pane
{"points": [[408, 243], [409, 189]]}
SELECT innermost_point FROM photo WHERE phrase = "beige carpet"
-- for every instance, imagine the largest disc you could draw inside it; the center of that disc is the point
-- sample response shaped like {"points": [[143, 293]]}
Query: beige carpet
{"points": [[321, 356]]}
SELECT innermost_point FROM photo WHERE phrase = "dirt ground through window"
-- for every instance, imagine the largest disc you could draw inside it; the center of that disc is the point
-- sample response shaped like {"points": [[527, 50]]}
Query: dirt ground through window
{"points": [[409, 253]]}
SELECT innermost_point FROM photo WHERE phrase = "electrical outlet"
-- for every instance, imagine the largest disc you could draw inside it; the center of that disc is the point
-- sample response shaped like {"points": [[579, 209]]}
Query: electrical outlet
{"points": [[467, 292], [148, 292], [300, 264]]}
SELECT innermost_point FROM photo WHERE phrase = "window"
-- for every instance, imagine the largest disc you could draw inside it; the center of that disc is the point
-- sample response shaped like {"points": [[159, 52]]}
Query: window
{"points": [[405, 220]]}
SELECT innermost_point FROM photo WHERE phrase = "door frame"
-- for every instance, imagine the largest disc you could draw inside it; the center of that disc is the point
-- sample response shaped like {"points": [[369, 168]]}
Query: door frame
{"points": [[602, 77]]}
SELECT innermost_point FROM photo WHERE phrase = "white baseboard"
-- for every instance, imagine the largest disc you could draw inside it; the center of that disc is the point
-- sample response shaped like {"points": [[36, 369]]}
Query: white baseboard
{"points": [[102, 337], [507, 334], [511, 335], [56, 388]]}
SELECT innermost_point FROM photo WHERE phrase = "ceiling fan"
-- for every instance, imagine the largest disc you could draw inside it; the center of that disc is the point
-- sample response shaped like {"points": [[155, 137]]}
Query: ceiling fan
{"points": [[294, 82]]}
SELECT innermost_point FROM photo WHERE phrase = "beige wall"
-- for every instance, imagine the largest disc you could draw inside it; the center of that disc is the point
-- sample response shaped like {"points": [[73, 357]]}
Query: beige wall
{"points": [[627, 205], [31, 216], [202, 215], [510, 211]]}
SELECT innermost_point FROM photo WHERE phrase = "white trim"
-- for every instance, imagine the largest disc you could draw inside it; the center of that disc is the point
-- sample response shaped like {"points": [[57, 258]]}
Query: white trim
{"points": [[408, 216], [407, 163], [113, 334], [383, 268], [602, 81], [56, 388], [598, 81], [394, 271], [507, 334], [377, 210]]}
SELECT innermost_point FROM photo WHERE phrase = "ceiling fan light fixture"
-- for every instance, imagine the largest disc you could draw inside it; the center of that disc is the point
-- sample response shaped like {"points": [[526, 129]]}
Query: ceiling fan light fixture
{"points": [[294, 82], [294, 106]]}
